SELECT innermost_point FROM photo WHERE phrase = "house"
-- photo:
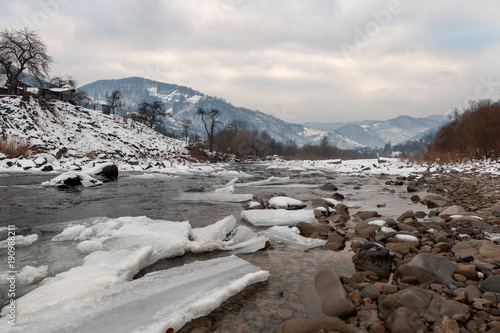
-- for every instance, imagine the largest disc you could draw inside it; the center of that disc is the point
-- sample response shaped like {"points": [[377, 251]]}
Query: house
{"points": [[62, 94], [106, 109]]}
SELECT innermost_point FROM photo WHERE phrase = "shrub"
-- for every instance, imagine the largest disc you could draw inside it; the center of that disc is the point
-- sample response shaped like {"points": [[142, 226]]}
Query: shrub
{"points": [[472, 134]]}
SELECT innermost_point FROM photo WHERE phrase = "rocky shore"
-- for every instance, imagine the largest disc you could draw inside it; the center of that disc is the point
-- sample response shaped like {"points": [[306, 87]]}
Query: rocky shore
{"points": [[422, 272]]}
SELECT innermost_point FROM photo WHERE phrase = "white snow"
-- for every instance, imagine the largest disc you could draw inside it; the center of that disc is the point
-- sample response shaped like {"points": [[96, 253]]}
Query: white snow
{"points": [[406, 238], [153, 303], [284, 202], [270, 217], [215, 196], [289, 236], [380, 223], [269, 181], [86, 180], [20, 241], [27, 275]]}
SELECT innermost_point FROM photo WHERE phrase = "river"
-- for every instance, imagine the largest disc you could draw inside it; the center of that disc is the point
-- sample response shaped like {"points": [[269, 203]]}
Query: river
{"points": [[289, 292]]}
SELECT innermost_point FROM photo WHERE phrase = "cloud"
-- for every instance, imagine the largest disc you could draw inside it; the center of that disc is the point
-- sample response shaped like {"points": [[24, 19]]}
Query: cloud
{"points": [[408, 58]]}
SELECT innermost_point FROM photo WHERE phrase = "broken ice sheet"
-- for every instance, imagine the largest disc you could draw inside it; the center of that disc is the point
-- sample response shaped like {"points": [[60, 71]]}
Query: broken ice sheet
{"points": [[272, 217], [215, 196], [153, 303], [292, 237]]}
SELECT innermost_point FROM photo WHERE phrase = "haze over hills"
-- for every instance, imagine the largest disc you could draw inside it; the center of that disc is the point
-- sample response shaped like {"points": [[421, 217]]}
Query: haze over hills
{"points": [[182, 102]]}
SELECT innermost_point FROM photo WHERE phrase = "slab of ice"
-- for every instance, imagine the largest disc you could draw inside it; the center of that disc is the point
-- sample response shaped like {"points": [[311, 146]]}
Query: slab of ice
{"points": [[272, 217], [21, 241], [167, 239], [269, 181], [284, 202], [353, 205], [27, 275], [153, 303], [224, 236], [380, 223], [292, 237], [153, 176]]}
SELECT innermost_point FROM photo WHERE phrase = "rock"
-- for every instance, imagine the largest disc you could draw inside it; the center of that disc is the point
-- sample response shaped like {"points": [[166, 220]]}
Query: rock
{"points": [[254, 205], [364, 229], [334, 299], [375, 258], [408, 215], [428, 305], [321, 203], [343, 211], [369, 291], [328, 187], [403, 248], [412, 188], [452, 210], [303, 325], [415, 198], [47, 168], [365, 215], [376, 328], [420, 214], [338, 196], [470, 274], [478, 249], [404, 320], [109, 172], [307, 229], [446, 325], [428, 267], [492, 283]]}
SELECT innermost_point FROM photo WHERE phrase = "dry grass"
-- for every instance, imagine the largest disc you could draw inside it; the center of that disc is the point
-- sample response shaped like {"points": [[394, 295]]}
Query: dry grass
{"points": [[15, 147], [473, 134]]}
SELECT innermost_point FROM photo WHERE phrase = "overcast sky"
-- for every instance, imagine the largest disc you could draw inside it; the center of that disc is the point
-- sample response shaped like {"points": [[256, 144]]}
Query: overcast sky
{"points": [[314, 60]]}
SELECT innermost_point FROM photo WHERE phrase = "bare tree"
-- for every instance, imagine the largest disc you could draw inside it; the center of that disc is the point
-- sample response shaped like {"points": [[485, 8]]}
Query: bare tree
{"points": [[63, 82], [210, 122], [81, 98], [22, 50], [150, 113], [185, 124], [114, 100]]}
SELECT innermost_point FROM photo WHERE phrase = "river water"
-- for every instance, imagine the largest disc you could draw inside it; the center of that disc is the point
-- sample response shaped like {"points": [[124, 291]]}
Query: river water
{"points": [[289, 292]]}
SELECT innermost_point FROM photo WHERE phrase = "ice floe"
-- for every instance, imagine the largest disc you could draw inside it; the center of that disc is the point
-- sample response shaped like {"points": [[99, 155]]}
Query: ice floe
{"points": [[272, 217], [285, 203], [20, 241], [292, 237]]}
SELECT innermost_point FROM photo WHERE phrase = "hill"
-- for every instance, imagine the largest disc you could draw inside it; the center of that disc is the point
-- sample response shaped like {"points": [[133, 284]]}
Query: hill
{"points": [[57, 128]]}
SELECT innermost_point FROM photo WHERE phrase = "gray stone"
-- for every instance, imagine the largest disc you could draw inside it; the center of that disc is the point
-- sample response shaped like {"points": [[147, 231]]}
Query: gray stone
{"points": [[429, 267], [404, 320], [334, 299], [428, 305], [303, 325], [328, 187], [343, 211], [373, 257], [492, 283], [365, 215], [364, 229]]}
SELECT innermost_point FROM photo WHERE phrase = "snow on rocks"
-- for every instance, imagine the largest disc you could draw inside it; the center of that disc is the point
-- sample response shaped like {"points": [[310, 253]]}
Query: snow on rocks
{"points": [[20, 241], [285, 203], [271, 217]]}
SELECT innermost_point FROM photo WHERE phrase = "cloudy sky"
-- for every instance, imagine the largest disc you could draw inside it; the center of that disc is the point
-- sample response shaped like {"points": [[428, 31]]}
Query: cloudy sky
{"points": [[314, 60]]}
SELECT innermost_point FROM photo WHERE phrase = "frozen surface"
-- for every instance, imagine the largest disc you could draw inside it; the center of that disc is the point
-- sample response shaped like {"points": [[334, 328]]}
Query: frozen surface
{"points": [[271, 217], [86, 180], [27, 275], [284, 202], [269, 181], [153, 303], [292, 237], [224, 236], [21, 241]]}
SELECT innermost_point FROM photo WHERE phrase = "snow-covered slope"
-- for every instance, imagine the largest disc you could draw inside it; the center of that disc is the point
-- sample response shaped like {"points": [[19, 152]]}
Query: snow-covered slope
{"points": [[183, 102], [56, 126]]}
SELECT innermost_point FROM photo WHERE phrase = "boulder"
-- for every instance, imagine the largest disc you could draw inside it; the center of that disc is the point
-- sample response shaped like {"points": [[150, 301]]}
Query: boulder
{"points": [[404, 320], [373, 257], [452, 210], [307, 229], [492, 283], [342, 210], [328, 187], [364, 229], [428, 305], [334, 299], [478, 249], [427, 267], [109, 172], [365, 215], [446, 325], [303, 325]]}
